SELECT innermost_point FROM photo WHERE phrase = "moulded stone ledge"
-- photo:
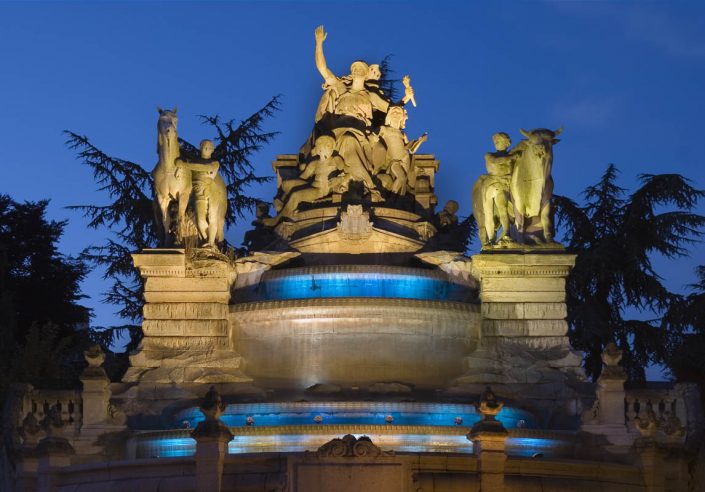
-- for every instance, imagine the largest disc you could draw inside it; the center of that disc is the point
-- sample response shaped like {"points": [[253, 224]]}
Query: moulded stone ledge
{"points": [[516, 284], [181, 358], [524, 328], [186, 343], [183, 310], [186, 375], [187, 284], [522, 296], [540, 343], [193, 296], [524, 310], [185, 328]]}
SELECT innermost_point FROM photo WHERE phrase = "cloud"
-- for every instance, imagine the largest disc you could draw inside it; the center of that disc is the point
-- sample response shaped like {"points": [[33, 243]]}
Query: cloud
{"points": [[674, 36], [593, 111], [676, 29]]}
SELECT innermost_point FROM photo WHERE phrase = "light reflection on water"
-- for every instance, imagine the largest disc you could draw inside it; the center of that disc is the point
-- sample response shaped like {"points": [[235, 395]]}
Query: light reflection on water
{"points": [[173, 447]]}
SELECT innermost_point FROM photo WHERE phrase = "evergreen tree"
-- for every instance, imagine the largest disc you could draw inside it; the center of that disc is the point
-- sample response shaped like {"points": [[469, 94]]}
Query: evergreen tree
{"points": [[684, 352], [41, 321], [129, 214], [615, 237], [388, 84]]}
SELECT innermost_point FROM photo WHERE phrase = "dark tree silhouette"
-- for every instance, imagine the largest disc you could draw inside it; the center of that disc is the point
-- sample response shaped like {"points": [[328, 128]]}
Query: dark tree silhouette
{"points": [[387, 83], [615, 237], [129, 214], [684, 352], [41, 320]]}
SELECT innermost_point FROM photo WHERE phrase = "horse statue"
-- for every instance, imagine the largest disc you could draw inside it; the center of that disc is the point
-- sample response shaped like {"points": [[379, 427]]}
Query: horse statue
{"points": [[168, 184], [531, 185]]}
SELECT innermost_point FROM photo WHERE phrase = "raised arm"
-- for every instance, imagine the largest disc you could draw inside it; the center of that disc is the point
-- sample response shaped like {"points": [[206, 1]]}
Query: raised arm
{"points": [[414, 145], [329, 76]]}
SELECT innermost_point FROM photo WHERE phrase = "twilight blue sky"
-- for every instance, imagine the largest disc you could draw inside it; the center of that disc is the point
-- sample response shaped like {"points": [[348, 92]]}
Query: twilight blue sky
{"points": [[626, 79]]}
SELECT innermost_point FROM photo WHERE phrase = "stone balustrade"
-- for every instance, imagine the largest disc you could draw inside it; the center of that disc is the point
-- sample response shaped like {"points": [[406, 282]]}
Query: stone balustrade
{"points": [[35, 404]]}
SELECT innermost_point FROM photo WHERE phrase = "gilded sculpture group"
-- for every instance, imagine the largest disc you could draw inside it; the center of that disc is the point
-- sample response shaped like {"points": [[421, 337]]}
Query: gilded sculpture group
{"points": [[358, 137]]}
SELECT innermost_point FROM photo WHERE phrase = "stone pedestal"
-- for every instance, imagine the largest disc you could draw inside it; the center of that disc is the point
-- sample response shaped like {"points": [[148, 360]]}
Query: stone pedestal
{"points": [[211, 450], [185, 323], [607, 417], [96, 389], [489, 439], [651, 459], [54, 453], [524, 330], [212, 437]]}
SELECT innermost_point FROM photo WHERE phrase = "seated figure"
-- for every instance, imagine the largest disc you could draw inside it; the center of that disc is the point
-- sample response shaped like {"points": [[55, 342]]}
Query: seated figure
{"points": [[320, 169]]}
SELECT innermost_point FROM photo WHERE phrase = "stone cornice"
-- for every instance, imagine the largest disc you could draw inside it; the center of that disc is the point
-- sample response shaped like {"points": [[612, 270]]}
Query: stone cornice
{"points": [[400, 306]]}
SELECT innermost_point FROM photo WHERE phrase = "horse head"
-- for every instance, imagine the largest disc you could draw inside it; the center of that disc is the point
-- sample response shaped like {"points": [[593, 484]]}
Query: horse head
{"points": [[166, 130]]}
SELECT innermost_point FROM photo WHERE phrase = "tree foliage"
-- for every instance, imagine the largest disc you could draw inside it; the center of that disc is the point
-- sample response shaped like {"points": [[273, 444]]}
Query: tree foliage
{"points": [[129, 212], [387, 82], [41, 320], [615, 237], [685, 350]]}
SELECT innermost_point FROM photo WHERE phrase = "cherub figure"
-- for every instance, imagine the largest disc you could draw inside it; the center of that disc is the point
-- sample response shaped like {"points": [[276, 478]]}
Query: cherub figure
{"points": [[397, 161], [447, 217], [320, 169]]}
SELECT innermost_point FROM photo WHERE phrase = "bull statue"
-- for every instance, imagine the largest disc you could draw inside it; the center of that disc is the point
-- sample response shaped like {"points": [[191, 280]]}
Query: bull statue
{"points": [[514, 197], [531, 186]]}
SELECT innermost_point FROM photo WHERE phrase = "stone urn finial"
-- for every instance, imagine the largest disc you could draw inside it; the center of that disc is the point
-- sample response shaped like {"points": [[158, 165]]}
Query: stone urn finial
{"points": [[94, 355], [212, 407], [489, 406], [611, 357]]}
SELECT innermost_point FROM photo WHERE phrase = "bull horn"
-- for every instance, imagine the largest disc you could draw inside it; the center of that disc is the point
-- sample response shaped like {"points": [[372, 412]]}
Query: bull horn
{"points": [[159, 108], [559, 131], [174, 110], [524, 132]]}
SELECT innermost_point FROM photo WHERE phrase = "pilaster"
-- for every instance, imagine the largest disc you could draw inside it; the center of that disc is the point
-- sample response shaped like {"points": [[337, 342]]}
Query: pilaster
{"points": [[186, 336], [524, 328]]}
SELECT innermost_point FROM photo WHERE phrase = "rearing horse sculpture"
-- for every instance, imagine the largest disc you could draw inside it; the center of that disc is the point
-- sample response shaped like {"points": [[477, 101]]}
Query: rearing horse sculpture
{"points": [[531, 186], [168, 185]]}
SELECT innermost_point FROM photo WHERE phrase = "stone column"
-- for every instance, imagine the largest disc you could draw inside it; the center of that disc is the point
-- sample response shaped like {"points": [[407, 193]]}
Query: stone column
{"points": [[185, 325], [524, 330], [212, 437], [489, 438]]}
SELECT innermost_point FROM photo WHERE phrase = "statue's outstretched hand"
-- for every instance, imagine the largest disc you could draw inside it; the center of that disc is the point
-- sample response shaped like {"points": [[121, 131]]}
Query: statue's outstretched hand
{"points": [[321, 34], [408, 90]]}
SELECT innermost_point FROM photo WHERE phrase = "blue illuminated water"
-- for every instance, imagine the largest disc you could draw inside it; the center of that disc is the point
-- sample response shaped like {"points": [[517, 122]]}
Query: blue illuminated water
{"points": [[399, 283], [362, 413]]}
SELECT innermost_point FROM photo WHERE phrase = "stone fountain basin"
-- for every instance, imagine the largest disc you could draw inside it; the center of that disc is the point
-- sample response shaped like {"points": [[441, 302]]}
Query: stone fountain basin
{"points": [[355, 342]]}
